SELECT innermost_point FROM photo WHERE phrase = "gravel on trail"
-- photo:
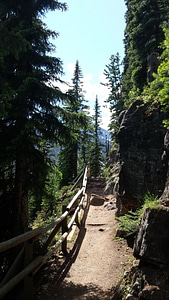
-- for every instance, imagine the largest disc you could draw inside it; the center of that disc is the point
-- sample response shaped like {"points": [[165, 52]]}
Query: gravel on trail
{"points": [[96, 260]]}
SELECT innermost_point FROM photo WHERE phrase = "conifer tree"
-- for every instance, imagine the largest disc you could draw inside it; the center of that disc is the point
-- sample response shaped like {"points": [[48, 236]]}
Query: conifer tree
{"points": [[113, 76], [96, 157], [143, 35], [31, 112], [68, 157]]}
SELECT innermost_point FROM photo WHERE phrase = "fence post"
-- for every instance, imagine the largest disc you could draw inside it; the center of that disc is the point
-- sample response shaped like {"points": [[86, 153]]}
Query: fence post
{"points": [[64, 229], [77, 219], [28, 281], [88, 170]]}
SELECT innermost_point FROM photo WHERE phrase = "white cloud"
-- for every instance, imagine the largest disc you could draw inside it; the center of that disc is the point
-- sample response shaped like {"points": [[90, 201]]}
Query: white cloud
{"points": [[95, 88], [105, 116], [102, 78], [70, 67], [88, 77]]}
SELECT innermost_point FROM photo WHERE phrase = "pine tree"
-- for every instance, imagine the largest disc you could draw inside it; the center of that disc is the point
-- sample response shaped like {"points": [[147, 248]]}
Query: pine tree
{"points": [[143, 35], [78, 124], [31, 112], [86, 137], [113, 76], [96, 157]]}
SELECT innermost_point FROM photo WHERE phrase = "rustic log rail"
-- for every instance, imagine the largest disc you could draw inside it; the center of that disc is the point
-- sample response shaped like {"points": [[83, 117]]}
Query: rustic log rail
{"points": [[28, 262]]}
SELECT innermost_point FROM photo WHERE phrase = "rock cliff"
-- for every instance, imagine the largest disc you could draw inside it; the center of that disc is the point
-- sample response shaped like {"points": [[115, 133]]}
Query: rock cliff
{"points": [[142, 156], [143, 167], [152, 241], [149, 280]]}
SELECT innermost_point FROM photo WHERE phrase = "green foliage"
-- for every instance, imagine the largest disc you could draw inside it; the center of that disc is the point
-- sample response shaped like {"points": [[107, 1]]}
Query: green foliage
{"points": [[46, 215], [143, 36], [150, 201], [31, 113], [107, 172], [159, 87], [129, 223], [46, 199], [79, 124], [96, 158], [113, 76]]}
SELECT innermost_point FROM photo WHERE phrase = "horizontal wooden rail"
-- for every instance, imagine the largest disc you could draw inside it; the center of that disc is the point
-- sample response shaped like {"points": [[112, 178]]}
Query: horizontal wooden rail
{"points": [[73, 201], [20, 276], [4, 246], [33, 264]]}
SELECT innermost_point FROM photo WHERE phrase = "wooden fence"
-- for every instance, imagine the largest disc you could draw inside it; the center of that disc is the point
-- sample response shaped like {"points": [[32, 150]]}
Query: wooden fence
{"points": [[29, 261]]}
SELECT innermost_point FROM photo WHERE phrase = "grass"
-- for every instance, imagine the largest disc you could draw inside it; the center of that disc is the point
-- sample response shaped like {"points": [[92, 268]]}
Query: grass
{"points": [[150, 201], [129, 223]]}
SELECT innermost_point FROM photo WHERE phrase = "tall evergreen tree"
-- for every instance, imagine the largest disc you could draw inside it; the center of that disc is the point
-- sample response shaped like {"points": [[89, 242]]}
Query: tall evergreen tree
{"points": [[86, 137], [78, 124], [31, 111], [113, 76], [96, 157], [143, 35]]}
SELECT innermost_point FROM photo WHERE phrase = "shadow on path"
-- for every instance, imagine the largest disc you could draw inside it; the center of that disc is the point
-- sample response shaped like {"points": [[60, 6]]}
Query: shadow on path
{"points": [[72, 255], [80, 292], [53, 285]]}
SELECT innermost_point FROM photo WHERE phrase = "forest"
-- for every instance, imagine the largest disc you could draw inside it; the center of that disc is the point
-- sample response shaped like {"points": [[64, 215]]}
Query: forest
{"points": [[47, 136]]}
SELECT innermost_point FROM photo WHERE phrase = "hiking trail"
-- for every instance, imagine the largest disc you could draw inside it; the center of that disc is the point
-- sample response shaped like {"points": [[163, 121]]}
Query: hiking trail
{"points": [[95, 261]]}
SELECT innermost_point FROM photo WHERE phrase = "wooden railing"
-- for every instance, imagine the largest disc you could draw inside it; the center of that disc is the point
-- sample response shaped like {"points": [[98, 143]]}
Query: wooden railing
{"points": [[29, 261]]}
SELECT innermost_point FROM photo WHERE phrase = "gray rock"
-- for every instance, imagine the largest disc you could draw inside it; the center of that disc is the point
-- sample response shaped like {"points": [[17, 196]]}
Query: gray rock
{"points": [[136, 288], [151, 292], [152, 242], [109, 188], [131, 297], [143, 164], [110, 205]]}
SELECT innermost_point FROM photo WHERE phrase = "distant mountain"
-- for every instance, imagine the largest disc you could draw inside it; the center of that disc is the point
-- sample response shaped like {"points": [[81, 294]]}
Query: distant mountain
{"points": [[105, 133], [103, 137]]}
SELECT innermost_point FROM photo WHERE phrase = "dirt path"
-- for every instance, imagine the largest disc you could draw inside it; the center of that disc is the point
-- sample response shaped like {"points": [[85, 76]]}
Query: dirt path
{"points": [[96, 260]]}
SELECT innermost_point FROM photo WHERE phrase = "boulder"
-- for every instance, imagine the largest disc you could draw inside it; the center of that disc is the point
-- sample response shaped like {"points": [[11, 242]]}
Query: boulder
{"points": [[152, 241], [152, 292]]}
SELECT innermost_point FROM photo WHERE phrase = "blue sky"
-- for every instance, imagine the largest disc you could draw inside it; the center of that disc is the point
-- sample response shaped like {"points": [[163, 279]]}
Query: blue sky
{"points": [[90, 31]]}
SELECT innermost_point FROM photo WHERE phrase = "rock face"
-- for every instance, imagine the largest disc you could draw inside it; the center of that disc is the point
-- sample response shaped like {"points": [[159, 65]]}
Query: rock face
{"points": [[152, 242], [149, 281], [164, 199], [143, 159], [143, 163]]}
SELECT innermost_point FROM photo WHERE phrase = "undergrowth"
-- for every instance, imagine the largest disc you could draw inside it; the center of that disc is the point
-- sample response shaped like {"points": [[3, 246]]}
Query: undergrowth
{"points": [[45, 216], [129, 223]]}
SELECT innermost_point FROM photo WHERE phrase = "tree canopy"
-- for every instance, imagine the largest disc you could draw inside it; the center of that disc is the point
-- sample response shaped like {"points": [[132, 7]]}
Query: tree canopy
{"points": [[157, 92], [31, 114], [78, 123], [113, 76], [143, 36]]}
